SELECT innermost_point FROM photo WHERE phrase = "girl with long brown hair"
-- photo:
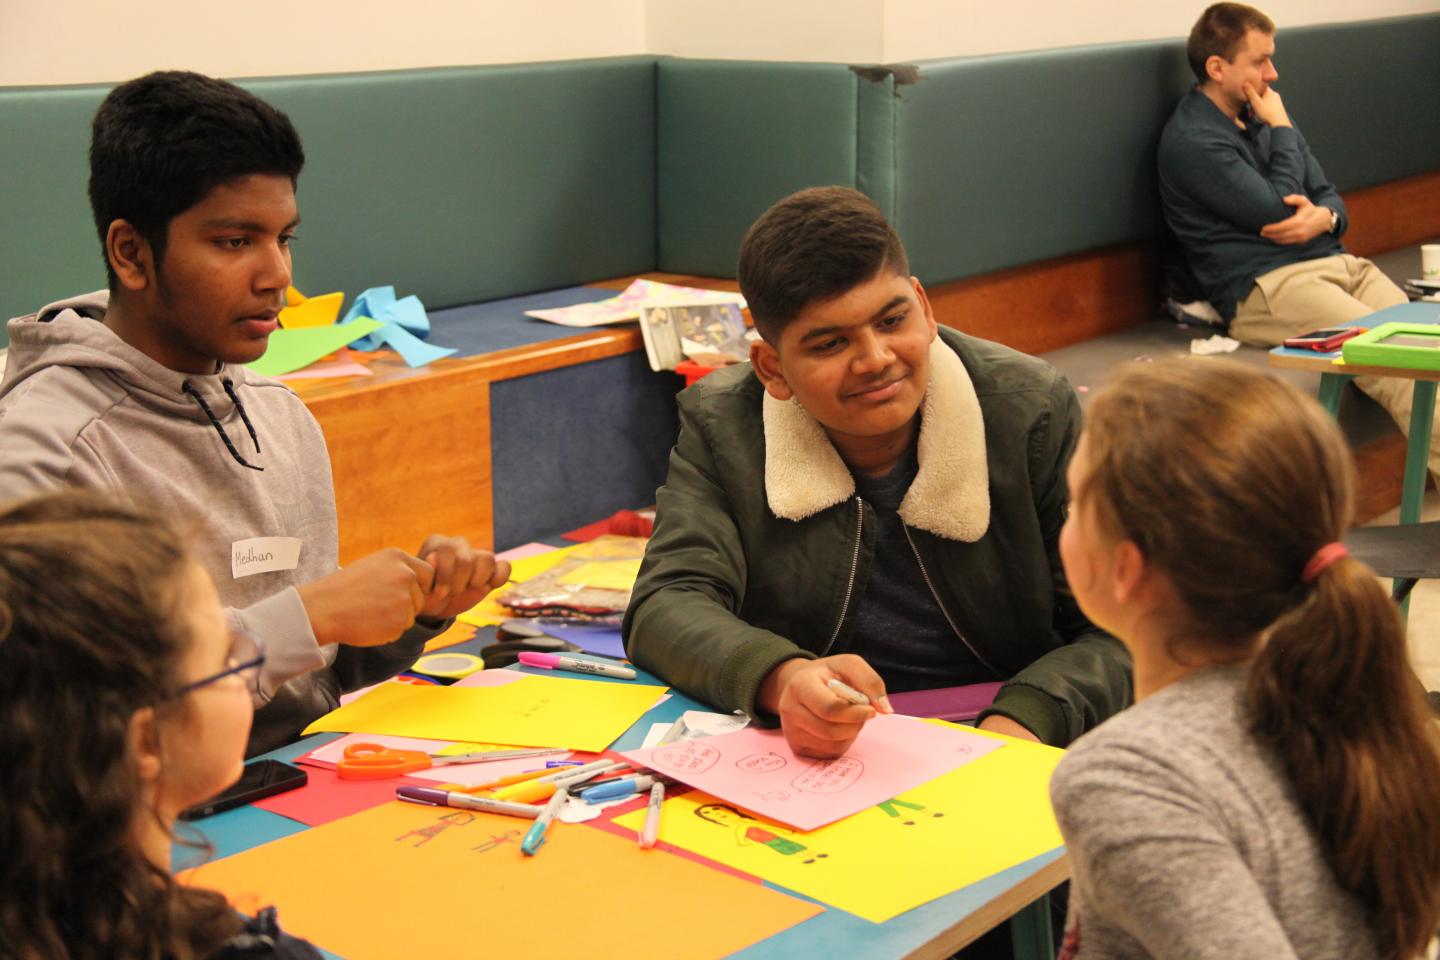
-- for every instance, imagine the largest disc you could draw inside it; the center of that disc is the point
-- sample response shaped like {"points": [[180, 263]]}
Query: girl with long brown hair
{"points": [[1275, 791], [123, 700]]}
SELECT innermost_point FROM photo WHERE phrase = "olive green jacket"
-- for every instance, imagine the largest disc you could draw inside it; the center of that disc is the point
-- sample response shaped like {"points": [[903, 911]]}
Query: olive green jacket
{"points": [[761, 546]]}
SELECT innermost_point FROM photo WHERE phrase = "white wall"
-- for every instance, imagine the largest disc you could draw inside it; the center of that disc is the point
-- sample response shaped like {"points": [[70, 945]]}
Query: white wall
{"points": [[88, 41]]}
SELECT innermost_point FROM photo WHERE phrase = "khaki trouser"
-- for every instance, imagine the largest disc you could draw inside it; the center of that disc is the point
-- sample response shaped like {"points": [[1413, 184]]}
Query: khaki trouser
{"points": [[1328, 292]]}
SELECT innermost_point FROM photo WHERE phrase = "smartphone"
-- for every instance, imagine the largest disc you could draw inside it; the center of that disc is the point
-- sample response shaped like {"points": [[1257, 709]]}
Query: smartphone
{"points": [[263, 778], [1324, 340]]}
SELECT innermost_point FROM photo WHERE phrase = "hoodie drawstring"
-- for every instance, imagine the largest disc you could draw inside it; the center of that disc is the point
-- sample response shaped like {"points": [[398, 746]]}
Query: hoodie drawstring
{"points": [[187, 388], [230, 392]]}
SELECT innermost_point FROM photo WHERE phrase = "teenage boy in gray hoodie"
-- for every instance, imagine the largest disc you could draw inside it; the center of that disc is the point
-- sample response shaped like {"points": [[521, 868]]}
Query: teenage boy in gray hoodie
{"points": [[140, 390]]}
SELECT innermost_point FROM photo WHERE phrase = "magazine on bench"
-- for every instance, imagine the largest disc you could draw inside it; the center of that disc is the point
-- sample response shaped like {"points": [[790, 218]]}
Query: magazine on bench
{"points": [[707, 332]]}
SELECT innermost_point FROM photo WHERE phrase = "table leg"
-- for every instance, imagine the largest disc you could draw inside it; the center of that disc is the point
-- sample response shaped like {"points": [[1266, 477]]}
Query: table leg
{"points": [[1417, 450], [1030, 932], [1332, 386], [1417, 457]]}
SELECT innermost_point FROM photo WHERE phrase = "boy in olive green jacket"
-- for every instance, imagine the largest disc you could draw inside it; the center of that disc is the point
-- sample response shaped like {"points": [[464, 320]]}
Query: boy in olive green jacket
{"points": [[871, 500]]}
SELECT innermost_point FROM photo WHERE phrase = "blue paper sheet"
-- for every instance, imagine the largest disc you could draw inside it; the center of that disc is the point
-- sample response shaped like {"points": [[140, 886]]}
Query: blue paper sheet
{"points": [[404, 326], [592, 639]]}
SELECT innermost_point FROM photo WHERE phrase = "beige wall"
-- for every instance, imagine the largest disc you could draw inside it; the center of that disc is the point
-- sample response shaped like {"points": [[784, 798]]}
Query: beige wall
{"points": [[86, 41], [923, 29]]}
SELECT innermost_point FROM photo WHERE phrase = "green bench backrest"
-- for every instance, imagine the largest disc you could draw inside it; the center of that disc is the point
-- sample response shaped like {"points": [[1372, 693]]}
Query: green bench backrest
{"points": [[471, 184], [991, 162], [458, 185]]}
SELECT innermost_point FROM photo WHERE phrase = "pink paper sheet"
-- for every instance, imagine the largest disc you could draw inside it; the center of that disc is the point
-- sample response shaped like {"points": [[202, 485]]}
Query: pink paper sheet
{"points": [[533, 549], [319, 371], [466, 774], [756, 769]]}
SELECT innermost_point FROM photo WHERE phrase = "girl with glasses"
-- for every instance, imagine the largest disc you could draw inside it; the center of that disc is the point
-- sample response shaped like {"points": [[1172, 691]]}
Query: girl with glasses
{"points": [[124, 699], [1275, 790]]}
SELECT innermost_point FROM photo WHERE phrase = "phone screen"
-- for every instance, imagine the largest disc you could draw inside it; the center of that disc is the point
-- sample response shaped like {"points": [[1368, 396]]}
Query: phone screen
{"points": [[262, 778]]}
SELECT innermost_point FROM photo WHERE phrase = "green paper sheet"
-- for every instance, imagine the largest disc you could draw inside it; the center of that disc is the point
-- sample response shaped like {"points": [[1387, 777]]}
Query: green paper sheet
{"points": [[290, 350]]}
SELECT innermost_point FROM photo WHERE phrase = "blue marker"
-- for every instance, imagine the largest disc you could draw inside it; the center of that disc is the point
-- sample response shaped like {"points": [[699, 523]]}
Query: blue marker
{"points": [[615, 789], [535, 836]]}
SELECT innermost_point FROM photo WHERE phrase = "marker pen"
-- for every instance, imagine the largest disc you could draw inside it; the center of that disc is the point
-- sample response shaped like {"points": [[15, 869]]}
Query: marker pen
{"points": [[615, 789], [651, 831], [536, 834], [509, 779], [848, 692], [464, 801], [560, 661], [543, 787], [615, 768]]}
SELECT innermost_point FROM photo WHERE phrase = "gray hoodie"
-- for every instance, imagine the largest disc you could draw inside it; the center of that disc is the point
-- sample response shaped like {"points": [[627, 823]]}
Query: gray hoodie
{"points": [[234, 450]]}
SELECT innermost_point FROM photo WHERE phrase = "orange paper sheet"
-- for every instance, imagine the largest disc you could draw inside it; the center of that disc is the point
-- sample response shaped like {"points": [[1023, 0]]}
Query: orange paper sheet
{"points": [[410, 881]]}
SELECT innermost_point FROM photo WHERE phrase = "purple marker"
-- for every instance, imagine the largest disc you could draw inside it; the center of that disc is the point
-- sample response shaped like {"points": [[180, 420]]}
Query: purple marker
{"points": [[431, 797]]}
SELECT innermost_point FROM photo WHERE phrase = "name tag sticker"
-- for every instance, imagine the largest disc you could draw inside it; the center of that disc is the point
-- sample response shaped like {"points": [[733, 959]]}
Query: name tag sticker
{"points": [[263, 555]]}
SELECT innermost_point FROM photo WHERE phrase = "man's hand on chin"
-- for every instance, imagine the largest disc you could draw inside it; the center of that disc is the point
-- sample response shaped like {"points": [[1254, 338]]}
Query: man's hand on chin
{"points": [[1268, 108], [1307, 223]]}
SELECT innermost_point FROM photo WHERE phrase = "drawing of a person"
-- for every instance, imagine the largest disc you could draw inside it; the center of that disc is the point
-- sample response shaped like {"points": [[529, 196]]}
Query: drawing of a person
{"points": [[497, 840], [426, 834], [748, 830], [889, 806]]}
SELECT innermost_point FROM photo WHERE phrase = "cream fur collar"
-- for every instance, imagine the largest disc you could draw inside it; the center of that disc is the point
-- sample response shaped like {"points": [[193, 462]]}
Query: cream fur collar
{"points": [[951, 493]]}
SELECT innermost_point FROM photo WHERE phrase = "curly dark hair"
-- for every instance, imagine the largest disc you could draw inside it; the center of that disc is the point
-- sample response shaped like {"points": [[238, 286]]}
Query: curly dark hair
{"points": [[91, 630]]}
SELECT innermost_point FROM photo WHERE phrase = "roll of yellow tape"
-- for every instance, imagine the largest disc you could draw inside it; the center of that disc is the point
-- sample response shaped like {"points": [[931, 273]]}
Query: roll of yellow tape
{"points": [[450, 666]]}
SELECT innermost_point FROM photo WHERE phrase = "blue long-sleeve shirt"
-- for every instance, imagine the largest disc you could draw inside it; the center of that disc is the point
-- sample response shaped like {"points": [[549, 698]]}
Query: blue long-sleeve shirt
{"points": [[1219, 185]]}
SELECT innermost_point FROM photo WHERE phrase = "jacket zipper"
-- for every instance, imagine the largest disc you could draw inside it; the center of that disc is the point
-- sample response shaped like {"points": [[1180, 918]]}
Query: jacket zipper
{"points": [[854, 568], [941, 604]]}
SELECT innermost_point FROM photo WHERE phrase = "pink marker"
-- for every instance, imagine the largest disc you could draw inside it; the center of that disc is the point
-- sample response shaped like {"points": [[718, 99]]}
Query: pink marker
{"points": [[561, 661]]}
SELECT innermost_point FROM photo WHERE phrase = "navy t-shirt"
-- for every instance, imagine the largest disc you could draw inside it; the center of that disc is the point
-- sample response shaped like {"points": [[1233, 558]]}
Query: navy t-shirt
{"points": [[899, 627]]}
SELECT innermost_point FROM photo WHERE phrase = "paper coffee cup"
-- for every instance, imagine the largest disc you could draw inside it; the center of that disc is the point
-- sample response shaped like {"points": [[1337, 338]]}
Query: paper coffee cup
{"points": [[1430, 261]]}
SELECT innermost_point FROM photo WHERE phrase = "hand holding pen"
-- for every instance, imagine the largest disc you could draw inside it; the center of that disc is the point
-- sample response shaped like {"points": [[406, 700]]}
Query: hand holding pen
{"points": [[820, 719]]}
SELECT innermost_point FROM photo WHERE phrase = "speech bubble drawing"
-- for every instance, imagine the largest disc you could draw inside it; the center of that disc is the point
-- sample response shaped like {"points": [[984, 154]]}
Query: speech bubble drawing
{"points": [[761, 762], [829, 776], [688, 756]]}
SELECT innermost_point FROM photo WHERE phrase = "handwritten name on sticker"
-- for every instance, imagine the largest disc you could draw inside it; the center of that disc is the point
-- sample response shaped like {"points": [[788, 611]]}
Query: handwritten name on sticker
{"points": [[264, 555]]}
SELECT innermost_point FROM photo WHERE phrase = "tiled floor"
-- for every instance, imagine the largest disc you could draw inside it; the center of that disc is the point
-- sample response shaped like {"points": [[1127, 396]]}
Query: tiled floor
{"points": [[1424, 607]]}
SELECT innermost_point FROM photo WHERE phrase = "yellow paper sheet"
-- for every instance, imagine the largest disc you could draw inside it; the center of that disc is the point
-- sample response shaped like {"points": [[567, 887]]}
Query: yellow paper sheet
{"points": [[487, 612], [605, 574], [533, 712], [969, 824], [401, 880]]}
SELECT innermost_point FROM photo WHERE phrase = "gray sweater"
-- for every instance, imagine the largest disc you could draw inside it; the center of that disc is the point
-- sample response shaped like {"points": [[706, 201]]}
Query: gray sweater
{"points": [[1186, 839], [80, 407]]}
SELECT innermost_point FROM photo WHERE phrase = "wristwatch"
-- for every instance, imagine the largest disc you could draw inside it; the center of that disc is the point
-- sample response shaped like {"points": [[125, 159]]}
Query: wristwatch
{"points": [[1334, 219]]}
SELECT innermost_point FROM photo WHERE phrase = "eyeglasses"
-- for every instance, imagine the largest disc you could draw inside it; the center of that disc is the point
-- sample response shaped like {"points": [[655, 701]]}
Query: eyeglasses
{"points": [[246, 656]]}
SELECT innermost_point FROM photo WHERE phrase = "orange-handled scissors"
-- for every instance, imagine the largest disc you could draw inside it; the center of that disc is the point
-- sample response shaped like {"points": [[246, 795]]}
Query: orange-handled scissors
{"points": [[372, 761]]}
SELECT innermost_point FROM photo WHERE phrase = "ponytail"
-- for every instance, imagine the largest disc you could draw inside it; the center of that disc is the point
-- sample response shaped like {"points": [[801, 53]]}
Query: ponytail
{"points": [[1333, 694]]}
